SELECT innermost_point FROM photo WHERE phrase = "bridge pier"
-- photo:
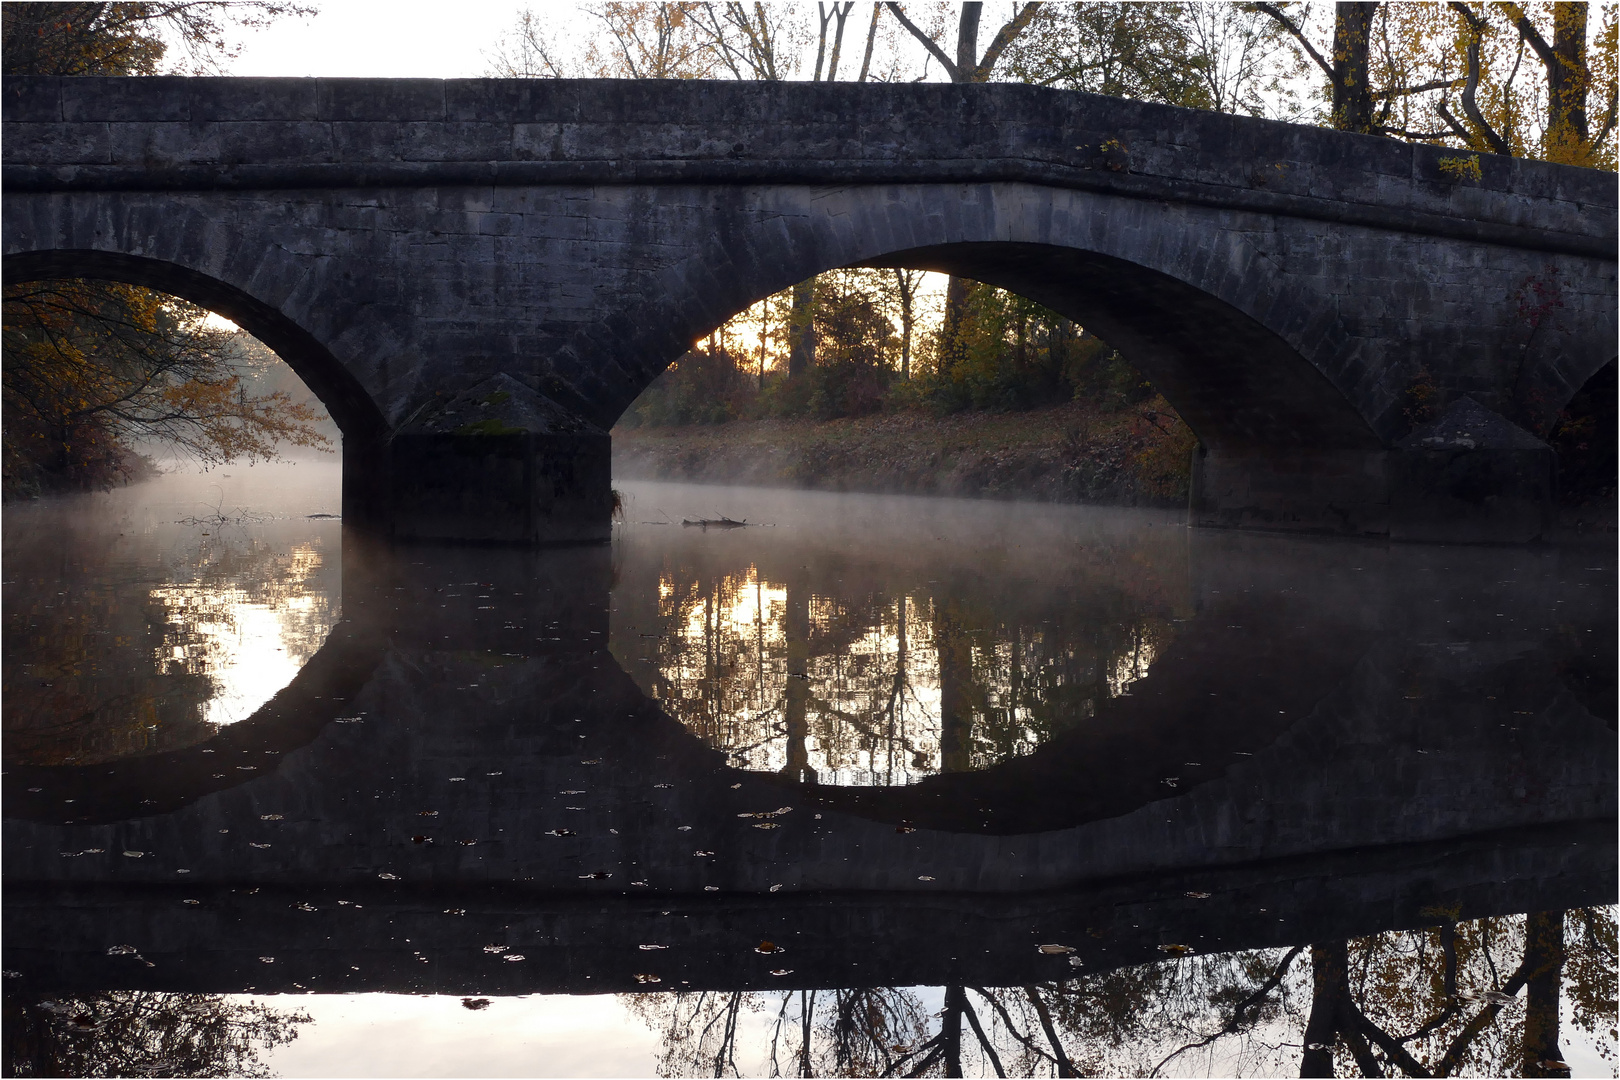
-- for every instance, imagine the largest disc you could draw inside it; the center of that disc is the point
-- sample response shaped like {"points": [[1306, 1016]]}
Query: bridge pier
{"points": [[1469, 476], [496, 464]]}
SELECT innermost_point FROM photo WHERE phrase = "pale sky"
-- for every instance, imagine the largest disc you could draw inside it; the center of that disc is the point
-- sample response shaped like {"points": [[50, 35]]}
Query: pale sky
{"points": [[427, 39]]}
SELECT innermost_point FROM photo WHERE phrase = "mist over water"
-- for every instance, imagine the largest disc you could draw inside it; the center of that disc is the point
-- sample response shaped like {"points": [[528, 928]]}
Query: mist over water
{"points": [[869, 786]]}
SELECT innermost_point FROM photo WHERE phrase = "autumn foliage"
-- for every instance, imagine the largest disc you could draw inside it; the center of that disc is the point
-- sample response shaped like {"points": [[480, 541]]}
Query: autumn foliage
{"points": [[93, 367]]}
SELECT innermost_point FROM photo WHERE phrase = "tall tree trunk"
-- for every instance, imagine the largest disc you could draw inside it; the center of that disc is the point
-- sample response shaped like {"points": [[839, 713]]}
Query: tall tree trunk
{"points": [[841, 13], [871, 39], [802, 329], [951, 346], [967, 41], [902, 281], [1322, 1029], [1544, 961], [1352, 75], [1567, 78], [796, 628], [955, 653], [952, 1029]]}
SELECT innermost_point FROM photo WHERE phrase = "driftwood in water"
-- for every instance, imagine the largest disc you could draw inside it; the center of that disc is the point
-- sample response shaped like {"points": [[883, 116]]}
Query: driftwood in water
{"points": [[715, 523]]}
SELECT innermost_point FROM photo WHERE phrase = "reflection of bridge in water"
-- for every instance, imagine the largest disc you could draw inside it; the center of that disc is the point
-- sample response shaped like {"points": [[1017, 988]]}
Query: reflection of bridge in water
{"points": [[1419, 730]]}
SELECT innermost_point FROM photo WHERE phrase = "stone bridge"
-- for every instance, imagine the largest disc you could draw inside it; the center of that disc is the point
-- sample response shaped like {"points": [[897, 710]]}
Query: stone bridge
{"points": [[478, 277]]}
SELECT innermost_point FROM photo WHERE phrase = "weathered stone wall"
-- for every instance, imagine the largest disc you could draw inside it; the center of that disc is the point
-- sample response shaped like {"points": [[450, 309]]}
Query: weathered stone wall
{"points": [[480, 259]]}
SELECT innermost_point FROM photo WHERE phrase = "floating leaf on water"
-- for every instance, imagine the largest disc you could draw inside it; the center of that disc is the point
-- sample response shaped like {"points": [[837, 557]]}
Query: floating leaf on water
{"points": [[1196, 895], [306, 907], [475, 1004], [683, 828], [734, 787], [767, 825], [711, 888], [925, 877], [651, 948], [641, 884], [134, 854], [1177, 950], [1055, 950], [514, 957], [191, 902], [1075, 961], [644, 979], [270, 817], [250, 844], [497, 772], [776, 888], [702, 854], [427, 813], [595, 875], [419, 839], [559, 832], [496, 950], [267, 959], [467, 843], [387, 877], [781, 971], [768, 947], [904, 827], [447, 911], [123, 950]]}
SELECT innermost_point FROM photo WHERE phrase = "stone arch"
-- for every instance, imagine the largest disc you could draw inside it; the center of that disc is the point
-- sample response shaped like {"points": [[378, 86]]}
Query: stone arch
{"points": [[352, 409], [1240, 351]]}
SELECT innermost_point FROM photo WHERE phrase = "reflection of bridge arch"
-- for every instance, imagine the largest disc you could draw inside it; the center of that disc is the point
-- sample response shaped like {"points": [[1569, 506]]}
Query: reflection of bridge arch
{"points": [[500, 267]]}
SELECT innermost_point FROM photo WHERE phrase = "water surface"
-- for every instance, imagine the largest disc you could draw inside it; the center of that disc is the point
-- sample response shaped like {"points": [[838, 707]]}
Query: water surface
{"points": [[873, 786]]}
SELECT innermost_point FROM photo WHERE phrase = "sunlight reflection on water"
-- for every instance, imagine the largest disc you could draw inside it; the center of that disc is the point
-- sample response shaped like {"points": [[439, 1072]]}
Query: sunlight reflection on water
{"points": [[140, 620]]}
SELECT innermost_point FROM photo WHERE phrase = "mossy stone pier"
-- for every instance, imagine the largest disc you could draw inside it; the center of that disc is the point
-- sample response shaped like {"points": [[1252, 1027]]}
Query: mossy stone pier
{"points": [[479, 276]]}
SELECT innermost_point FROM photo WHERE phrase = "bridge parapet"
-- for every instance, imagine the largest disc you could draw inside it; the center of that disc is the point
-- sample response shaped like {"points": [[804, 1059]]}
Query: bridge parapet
{"points": [[175, 133]]}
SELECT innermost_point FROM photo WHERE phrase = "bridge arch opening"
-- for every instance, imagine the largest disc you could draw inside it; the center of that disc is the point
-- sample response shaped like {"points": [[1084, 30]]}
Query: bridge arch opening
{"points": [[184, 602], [1240, 386], [351, 409]]}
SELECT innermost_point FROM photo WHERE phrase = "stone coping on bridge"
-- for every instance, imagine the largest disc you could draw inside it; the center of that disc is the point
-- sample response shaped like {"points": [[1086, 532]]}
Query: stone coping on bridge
{"points": [[179, 133]]}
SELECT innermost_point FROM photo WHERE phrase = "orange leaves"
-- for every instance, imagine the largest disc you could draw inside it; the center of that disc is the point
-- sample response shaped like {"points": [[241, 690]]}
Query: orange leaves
{"points": [[96, 363]]}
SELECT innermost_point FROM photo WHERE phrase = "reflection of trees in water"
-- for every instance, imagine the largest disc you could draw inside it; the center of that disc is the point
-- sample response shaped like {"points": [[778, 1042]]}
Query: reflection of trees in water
{"points": [[141, 1033], [126, 669], [1472, 998], [880, 688]]}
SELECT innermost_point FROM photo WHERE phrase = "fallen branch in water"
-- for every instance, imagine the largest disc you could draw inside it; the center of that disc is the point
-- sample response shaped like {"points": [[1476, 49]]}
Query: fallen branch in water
{"points": [[714, 523]]}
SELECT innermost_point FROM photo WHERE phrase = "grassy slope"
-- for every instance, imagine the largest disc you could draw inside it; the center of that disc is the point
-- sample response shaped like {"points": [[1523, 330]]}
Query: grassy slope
{"points": [[1066, 453]]}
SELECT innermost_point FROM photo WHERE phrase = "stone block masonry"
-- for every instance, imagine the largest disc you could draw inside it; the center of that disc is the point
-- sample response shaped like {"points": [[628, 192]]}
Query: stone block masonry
{"points": [[415, 248]]}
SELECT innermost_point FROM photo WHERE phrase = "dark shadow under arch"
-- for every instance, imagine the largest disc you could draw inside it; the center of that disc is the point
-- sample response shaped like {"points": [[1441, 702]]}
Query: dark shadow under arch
{"points": [[352, 409]]}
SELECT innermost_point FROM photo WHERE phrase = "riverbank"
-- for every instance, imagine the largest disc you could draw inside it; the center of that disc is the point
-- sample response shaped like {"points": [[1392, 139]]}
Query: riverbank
{"points": [[1071, 453]]}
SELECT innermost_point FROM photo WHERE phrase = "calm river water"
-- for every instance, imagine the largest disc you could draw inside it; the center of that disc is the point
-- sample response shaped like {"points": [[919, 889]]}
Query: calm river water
{"points": [[870, 786]]}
